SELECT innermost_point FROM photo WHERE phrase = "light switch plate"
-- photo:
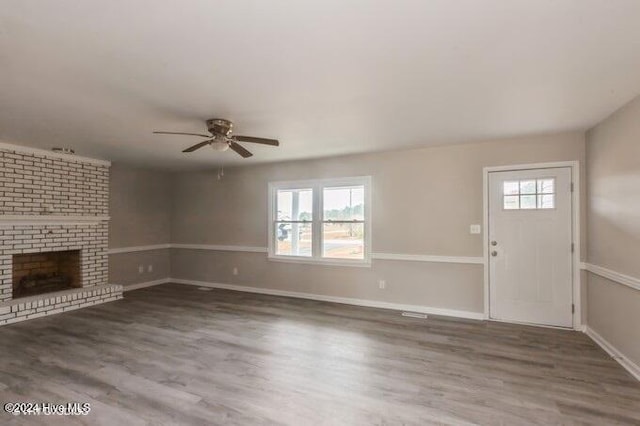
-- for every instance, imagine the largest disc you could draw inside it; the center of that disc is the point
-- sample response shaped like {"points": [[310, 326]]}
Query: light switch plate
{"points": [[475, 229]]}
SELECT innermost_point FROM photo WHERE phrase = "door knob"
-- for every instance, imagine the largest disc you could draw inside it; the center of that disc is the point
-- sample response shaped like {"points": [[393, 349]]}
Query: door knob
{"points": [[494, 253], [494, 243]]}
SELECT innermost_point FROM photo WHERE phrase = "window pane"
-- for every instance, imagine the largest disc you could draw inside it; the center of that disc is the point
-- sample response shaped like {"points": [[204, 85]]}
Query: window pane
{"points": [[293, 239], [343, 240], [546, 201], [546, 186], [527, 201], [343, 203], [511, 202], [294, 204], [528, 187], [511, 188]]}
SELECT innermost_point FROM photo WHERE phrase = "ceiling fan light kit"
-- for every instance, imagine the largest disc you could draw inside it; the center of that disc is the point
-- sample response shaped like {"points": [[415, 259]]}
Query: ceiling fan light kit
{"points": [[221, 138], [220, 146]]}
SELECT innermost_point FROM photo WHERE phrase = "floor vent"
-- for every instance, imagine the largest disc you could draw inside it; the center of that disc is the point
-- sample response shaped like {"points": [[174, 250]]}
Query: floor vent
{"points": [[414, 315], [205, 288]]}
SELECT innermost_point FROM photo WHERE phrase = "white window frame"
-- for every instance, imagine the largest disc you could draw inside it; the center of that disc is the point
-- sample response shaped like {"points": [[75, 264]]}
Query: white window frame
{"points": [[317, 186]]}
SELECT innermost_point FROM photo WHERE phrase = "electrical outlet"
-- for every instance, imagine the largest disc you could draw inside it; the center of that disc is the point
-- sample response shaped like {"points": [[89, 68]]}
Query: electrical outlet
{"points": [[475, 229], [140, 269], [150, 268], [235, 270], [382, 284]]}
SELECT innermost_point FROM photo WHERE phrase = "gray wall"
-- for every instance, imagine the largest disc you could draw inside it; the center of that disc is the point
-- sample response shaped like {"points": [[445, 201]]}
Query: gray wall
{"points": [[613, 169], [140, 210], [423, 203], [443, 188]]}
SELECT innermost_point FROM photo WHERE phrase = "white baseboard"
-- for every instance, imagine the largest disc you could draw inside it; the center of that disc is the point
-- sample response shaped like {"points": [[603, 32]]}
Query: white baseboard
{"points": [[628, 365], [335, 299], [145, 284]]}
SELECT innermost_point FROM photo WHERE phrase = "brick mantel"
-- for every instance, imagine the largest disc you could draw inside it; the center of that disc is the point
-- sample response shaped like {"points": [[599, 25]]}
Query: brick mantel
{"points": [[33, 219]]}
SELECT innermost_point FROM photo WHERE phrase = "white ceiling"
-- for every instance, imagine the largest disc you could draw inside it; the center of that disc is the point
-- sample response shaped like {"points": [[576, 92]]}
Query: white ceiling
{"points": [[326, 77]]}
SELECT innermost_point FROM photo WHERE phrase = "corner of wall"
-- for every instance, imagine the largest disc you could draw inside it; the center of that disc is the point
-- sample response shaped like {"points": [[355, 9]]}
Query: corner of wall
{"points": [[612, 276]]}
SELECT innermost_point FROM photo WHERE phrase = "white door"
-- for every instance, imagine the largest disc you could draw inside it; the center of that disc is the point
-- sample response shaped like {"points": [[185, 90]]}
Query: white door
{"points": [[530, 246]]}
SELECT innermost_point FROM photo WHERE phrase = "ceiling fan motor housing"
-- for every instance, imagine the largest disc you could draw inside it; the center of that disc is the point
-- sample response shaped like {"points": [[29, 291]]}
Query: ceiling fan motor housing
{"points": [[219, 126]]}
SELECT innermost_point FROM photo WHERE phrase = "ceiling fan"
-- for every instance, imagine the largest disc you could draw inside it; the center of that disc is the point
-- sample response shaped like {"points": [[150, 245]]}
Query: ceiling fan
{"points": [[221, 138]]}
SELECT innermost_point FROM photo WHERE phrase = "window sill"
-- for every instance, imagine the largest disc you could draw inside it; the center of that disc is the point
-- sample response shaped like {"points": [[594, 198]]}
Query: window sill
{"points": [[366, 263]]}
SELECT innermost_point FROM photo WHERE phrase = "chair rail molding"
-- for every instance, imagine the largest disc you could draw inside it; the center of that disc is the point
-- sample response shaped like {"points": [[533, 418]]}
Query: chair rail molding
{"points": [[471, 260], [429, 258], [216, 247], [376, 255], [612, 275], [133, 249]]}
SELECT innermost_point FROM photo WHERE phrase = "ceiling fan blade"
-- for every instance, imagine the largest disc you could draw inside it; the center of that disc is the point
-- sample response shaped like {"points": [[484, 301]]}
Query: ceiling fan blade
{"points": [[181, 133], [263, 141], [198, 146], [240, 149]]}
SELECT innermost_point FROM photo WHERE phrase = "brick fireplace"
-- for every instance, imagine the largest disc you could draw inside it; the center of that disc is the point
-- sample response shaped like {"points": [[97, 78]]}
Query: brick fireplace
{"points": [[53, 233], [45, 272]]}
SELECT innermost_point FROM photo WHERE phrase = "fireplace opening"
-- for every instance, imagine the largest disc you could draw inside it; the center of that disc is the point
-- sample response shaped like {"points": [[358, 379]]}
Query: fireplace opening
{"points": [[38, 273]]}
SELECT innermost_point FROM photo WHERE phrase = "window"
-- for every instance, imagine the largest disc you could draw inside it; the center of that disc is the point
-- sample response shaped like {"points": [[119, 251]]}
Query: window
{"points": [[529, 194], [294, 231], [320, 221]]}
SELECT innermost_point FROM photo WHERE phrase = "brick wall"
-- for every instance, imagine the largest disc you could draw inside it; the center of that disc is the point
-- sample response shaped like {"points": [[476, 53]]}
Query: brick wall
{"points": [[35, 184], [40, 185]]}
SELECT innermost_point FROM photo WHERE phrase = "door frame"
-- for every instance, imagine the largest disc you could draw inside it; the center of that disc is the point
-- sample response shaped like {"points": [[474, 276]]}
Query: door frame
{"points": [[575, 231]]}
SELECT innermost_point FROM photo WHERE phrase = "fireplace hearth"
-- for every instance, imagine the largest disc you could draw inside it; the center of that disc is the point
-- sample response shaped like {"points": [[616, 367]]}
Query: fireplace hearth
{"points": [[39, 273]]}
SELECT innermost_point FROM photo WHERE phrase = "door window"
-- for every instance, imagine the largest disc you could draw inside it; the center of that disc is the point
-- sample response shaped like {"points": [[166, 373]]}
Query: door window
{"points": [[529, 194]]}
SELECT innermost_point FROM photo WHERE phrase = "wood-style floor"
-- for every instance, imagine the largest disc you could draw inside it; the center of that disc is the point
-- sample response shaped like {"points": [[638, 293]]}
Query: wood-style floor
{"points": [[174, 354]]}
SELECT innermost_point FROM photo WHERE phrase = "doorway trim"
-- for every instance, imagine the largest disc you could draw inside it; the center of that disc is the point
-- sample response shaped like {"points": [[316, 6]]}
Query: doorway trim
{"points": [[575, 231]]}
